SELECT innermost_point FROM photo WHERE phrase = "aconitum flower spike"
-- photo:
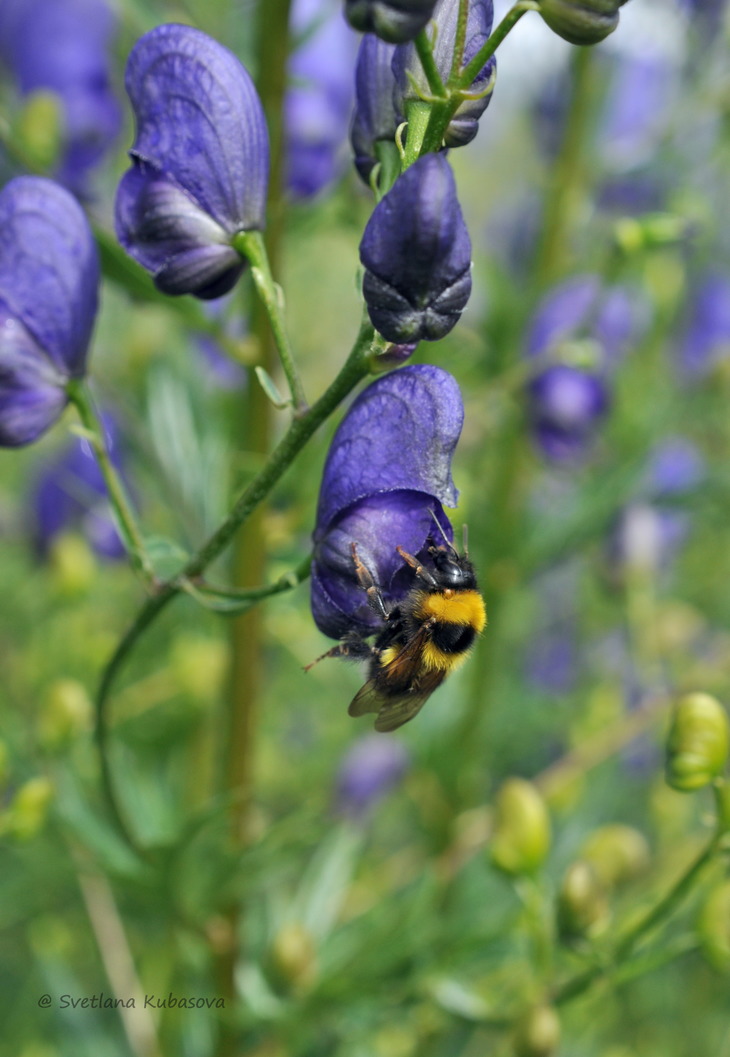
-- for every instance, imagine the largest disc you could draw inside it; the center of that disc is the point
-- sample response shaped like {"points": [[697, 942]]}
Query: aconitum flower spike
{"points": [[581, 21], [49, 278], [61, 46], [385, 482], [375, 119], [417, 255], [411, 82], [392, 20], [200, 162]]}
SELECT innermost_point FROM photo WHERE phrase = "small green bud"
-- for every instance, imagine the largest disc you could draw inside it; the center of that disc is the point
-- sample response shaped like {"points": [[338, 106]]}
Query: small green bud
{"points": [[582, 904], [537, 1034], [292, 957], [29, 808], [199, 665], [521, 838], [40, 128], [581, 21], [697, 746], [617, 854], [73, 565], [66, 712], [713, 927]]}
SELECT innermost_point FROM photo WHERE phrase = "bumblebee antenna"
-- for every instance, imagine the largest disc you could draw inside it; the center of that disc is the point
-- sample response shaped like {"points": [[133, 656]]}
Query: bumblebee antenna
{"points": [[439, 526]]}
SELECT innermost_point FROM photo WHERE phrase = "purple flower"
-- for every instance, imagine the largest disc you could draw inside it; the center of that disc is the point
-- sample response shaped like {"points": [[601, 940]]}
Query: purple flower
{"points": [[70, 493], [375, 119], [387, 475], [707, 337], [319, 100], [391, 20], [61, 46], [675, 466], [371, 768], [417, 255], [640, 102], [580, 308], [200, 162], [565, 405], [411, 81], [49, 277]]}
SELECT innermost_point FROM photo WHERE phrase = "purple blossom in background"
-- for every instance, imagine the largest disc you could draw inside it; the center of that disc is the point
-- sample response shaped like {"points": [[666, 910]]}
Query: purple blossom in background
{"points": [[707, 337], [640, 103], [371, 768], [392, 20], [411, 80], [565, 406], [387, 474], [70, 493], [49, 278], [675, 466], [62, 46], [582, 308], [375, 119], [200, 162], [318, 102], [417, 255]]}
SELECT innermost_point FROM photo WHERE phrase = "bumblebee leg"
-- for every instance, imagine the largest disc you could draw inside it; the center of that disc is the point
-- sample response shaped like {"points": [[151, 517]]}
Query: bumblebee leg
{"points": [[368, 584], [353, 647], [421, 572]]}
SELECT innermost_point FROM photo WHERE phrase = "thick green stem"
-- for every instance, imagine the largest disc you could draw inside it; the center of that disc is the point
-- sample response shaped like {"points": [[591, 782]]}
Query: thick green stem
{"points": [[80, 396], [488, 49], [430, 69], [419, 114], [250, 244]]}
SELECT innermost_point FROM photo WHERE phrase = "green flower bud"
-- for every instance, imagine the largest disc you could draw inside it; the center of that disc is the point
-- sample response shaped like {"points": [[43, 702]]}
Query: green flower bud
{"points": [[582, 904], [29, 809], [67, 711], [581, 21], [40, 128], [73, 565], [713, 927], [617, 854], [521, 838], [537, 1034], [292, 957], [697, 747]]}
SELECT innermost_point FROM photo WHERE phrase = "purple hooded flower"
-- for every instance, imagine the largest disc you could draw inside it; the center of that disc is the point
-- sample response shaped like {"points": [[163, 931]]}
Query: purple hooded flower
{"points": [[318, 102], [371, 768], [49, 277], [417, 255], [391, 20], [200, 162], [62, 46], [375, 119], [70, 493], [387, 475], [707, 337], [565, 405], [411, 81]]}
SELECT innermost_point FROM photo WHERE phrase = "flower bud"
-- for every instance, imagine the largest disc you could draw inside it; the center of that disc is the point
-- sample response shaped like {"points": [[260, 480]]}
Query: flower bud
{"points": [[66, 711], [617, 854], [582, 907], [521, 839], [391, 20], [40, 128], [581, 21], [697, 746], [537, 1034], [72, 563], [713, 927], [417, 255], [29, 809], [293, 956]]}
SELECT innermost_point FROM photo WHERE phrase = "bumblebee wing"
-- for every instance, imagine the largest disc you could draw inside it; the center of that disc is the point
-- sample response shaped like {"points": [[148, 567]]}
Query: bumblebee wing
{"points": [[400, 689]]}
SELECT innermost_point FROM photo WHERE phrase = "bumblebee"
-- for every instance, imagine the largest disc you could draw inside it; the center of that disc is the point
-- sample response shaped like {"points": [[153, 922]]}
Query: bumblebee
{"points": [[424, 637]]}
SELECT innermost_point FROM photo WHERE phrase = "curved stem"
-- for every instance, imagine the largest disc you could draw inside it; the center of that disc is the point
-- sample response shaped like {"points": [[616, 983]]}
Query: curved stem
{"points": [[250, 244], [425, 54], [488, 49], [299, 432], [80, 396]]}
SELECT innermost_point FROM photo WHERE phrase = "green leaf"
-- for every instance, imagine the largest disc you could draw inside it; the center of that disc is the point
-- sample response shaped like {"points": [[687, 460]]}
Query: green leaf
{"points": [[166, 557]]}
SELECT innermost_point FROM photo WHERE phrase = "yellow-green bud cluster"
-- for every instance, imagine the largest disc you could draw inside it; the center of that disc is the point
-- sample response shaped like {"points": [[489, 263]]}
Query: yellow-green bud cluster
{"points": [[697, 746], [521, 838]]}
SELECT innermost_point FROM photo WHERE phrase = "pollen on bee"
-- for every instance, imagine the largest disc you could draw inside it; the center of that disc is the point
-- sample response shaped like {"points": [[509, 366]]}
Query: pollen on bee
{"points": [[455, 607]]}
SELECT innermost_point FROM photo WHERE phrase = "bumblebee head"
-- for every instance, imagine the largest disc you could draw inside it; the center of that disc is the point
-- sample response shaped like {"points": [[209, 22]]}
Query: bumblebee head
{"points": [[452, 569]]}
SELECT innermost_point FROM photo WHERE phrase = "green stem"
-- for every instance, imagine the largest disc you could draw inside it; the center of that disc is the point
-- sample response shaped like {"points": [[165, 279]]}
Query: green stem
{"points": [[80, 396], [459, 40], [488, 49], [419, 114], [296, 437], [654, 917], [425, 54], [250, 244]]}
